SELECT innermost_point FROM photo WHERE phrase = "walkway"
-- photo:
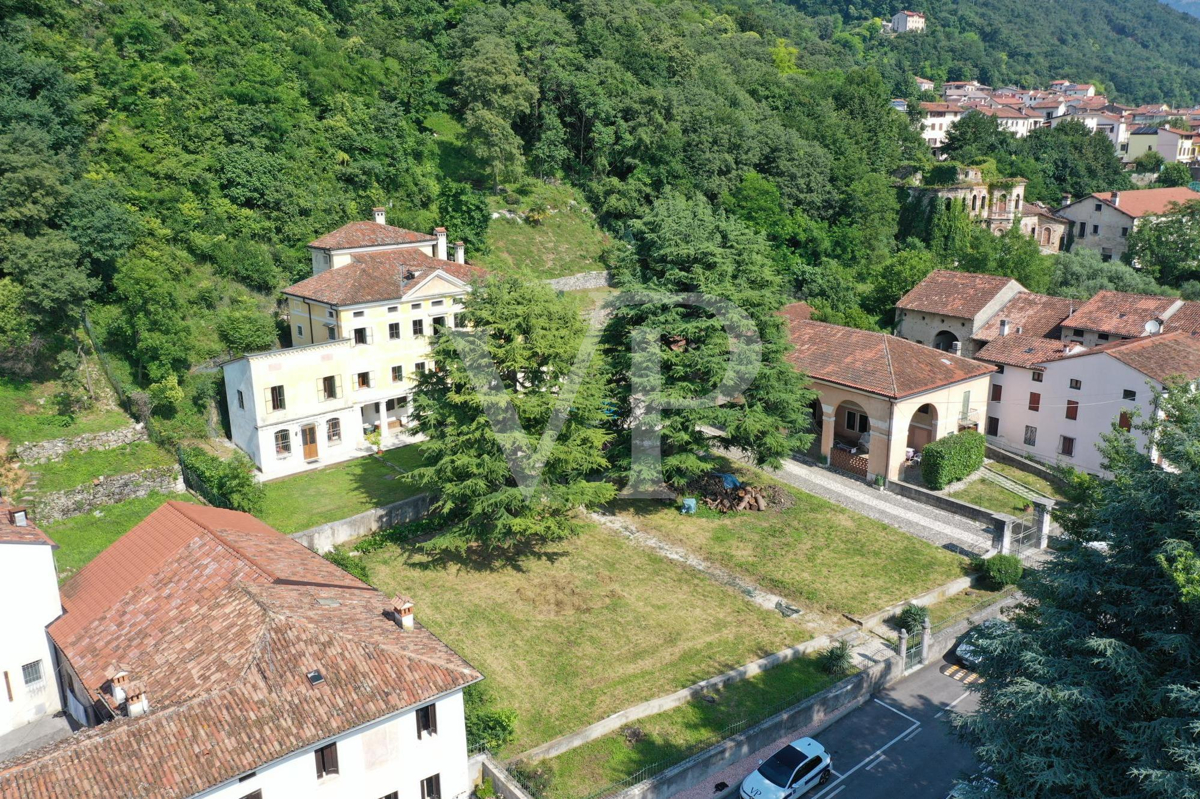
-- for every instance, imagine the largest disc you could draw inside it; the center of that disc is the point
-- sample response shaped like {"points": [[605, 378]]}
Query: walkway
{"points": [[935, 526], [1007, 483]]}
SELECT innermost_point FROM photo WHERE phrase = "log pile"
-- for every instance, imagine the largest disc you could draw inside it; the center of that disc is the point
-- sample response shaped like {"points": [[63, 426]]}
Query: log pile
{"points": [[712, 492]]}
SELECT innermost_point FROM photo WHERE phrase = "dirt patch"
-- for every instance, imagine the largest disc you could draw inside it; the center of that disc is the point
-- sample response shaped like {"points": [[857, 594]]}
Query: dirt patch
{"points": [[558, 595]]}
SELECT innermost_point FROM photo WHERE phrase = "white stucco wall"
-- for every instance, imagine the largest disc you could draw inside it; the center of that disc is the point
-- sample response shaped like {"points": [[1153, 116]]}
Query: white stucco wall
{"points": [[373, 762], [1112, 237], [29, 599], [1103, 380]]}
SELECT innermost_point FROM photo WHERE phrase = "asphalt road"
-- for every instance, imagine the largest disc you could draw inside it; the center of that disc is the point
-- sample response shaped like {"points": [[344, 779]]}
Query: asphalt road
{"points": [[899, 744]]}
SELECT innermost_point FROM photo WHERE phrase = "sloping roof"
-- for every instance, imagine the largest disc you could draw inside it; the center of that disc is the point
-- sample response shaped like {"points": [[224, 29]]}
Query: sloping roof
{"points": [[1186, 319], [796, 312], [1021, 350], [378, 277], [220, 634], [1144, 202], [1033, 314], [368, 234], [1031, 208], [1121, 314], [940, 107], [874, 362], [958, 294], [1159, 357], [23, 534]]}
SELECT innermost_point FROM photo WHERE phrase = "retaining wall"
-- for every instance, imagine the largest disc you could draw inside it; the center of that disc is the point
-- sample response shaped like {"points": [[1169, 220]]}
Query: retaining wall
{"points": [[581, 281], [942, 502], [43, 451], [869, 623], [1025, 465], [324, 537], [106, 491]]}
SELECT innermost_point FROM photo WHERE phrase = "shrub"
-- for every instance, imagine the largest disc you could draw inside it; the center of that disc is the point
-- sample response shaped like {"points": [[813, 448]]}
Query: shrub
{"points": [[345, 561], [1003, 570], [487, 725], [485, 789], [912, 618], [230, 483], [836, 660], [245, 329], [952, 458]]}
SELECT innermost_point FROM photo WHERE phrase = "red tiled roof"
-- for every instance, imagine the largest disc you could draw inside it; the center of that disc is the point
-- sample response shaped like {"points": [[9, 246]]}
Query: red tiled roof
{"points": [[1148, 202], [368, 234], [25, 534], [378, 277], [875, 362], [220, 634], [1118, 313], [1159, 357], [1021, 350], [796, 312], [958, 294], [1033, 314], [1186, 319], [940, 107]]}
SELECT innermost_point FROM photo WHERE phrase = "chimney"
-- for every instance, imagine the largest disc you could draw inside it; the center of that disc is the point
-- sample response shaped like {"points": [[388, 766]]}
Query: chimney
{"points": [[1066, 199], [460, 252], [18, 516], [402, 611], [119, 682], [380, 215], [1116, 198], [1004, 327], [440, 252], [956, 348], [137, 704]]}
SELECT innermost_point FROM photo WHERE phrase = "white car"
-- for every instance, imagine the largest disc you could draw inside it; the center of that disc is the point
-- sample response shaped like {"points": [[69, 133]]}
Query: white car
{"points": [[790, 772]]}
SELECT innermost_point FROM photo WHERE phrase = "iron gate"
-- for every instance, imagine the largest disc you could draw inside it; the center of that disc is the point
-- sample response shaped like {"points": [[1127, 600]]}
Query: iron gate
{"points": [[1025, 534]]}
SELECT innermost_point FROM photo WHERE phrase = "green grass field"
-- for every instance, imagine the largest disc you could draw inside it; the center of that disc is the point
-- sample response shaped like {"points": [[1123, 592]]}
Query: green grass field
{"points": [[302, 501], [670, 737], [986, 494], [406, 458], [27, 414], [587, 627], [78, 468], [83, 537], [819, 555], [1028, 480]]}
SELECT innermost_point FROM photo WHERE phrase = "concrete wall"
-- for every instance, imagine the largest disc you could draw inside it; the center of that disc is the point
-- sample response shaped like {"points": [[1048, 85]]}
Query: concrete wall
{"points": [[324, 537], [926, 599], [29, 599], [583, 280], [942, 502], [42, 451]]}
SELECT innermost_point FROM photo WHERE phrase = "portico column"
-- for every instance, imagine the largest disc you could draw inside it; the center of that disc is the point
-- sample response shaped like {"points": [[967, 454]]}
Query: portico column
{"points": [[828, 417]]}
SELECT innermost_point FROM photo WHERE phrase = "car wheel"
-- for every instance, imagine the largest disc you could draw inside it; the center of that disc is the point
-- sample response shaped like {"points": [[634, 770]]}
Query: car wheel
{"points": [[825, 776]]}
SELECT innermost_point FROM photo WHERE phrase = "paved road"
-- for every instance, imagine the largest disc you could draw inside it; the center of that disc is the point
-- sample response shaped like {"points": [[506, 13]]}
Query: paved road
{"points": [[899, 745]]}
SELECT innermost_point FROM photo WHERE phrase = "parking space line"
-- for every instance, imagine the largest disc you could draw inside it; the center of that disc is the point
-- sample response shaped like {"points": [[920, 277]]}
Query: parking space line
{"points": [[870, 757], [878, 760], [897, 712], [835, 793], [914, 735], [834, 773], [952, 704]]}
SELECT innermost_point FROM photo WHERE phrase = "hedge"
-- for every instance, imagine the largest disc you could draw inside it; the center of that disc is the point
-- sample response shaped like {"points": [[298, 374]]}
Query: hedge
{"points": [[952, 458], [224, 483]]}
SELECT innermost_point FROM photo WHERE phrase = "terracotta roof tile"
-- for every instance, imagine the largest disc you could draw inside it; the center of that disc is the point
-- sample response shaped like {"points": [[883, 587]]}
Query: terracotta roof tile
{"points": [[378, 277], [1148, 202], [1186, 319], [958, 294], [1159, 357], [368, 234], [796, 312], [1021, 350], [20, 534], [1121, 314], [874, 362], [1031, 314], [219, 625]]}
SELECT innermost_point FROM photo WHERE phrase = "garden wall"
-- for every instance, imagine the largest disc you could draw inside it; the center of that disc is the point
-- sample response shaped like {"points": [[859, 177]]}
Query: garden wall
{"points": [[43, 451], [943, 502], [324, 537], [581, 281], [106, 491]]}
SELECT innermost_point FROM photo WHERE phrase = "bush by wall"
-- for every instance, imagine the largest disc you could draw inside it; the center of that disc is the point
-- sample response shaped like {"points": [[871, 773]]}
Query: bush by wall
{"points": [[1002, 570], [226, 484], [952, 458], [912, 618]]}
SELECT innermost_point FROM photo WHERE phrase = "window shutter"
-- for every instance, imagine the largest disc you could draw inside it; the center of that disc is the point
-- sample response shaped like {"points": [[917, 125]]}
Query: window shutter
{"points": [[319, 759], [371, 379], [337, 382], [321, 389], [267, 400], [433, 722], [331, 759], [370, 335]]}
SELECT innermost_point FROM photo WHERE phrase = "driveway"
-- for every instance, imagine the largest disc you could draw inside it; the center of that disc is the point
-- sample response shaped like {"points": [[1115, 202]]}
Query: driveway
{"points": [[896, 746]]}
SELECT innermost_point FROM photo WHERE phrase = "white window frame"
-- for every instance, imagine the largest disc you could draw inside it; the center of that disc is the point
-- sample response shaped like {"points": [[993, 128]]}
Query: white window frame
{"points": [[283, 444]]}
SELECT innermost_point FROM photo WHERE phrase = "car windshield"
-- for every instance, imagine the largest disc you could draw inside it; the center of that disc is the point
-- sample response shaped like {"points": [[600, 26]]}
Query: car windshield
{"points": [[782, 765]]}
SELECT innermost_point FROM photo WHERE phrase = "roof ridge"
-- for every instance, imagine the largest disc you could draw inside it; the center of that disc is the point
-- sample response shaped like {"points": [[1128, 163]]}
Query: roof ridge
{"points": [[887, 354]]}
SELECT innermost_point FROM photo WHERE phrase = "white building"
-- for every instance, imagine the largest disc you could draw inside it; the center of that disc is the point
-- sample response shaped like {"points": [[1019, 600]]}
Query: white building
{"points": [[908, 22], [216, 658], [1015, 121], [361, 327], [1110, 125], [936, 119], [29, 597], [1103, 221]]}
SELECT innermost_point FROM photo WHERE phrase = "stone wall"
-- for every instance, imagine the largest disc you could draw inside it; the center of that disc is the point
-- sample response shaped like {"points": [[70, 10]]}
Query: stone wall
{"points": [[324, 537], [581, 281], [106, 491], [43, 451]]}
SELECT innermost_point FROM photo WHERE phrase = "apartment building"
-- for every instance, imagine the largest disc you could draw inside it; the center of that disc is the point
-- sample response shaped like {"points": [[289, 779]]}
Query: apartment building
{"points": [[361, 329], [210, 656], [1103, 221], [908, 22], [936, 119]]}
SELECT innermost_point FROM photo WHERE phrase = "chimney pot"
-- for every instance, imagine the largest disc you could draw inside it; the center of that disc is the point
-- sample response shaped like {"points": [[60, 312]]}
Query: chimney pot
{"points": [[460, 252], [380, 215], [402, 609], [1004, 327], [137, 704], [1116, 198], [119, 682], [440, 252]]}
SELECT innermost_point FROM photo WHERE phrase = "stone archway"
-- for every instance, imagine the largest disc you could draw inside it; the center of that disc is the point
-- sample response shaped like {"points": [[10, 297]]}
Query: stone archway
{"points": [[945, 341], [922, 428], [1047, 235]]}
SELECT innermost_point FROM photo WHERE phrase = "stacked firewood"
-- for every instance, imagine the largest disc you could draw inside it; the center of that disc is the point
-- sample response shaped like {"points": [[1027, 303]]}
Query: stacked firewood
{"points": [[713, 493]]}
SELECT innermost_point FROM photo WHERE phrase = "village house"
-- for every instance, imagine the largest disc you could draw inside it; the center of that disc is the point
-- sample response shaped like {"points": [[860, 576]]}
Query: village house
{"points": [[881, 399], [1175, 146], [1013, 119], [1110, 125], [936, 119], [29, 594], [946, 309], [1047, 228], [924, 84], [361, 329], [1103, 221], [908, 22], [996, 206], [210, 656]]}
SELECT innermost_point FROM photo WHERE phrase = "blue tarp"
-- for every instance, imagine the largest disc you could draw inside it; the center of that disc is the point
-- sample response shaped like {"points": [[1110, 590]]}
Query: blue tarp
{"points": [[730, 480]]}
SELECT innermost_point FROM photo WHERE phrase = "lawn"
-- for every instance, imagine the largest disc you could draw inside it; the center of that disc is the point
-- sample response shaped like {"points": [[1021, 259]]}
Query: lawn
{"points": [[302, 501], [404, 458], [590, 626], [77, 468], [986, 494], [81, 538], [1030, 481], [819, 555], [964, 602], [670, 737], [27, 414]]}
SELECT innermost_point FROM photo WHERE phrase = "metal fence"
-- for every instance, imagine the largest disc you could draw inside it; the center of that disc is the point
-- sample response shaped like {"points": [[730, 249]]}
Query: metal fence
{"points": [[975, 609]]}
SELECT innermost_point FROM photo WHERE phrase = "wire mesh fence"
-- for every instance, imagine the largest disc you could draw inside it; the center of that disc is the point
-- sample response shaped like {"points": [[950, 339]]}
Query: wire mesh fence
{"points": [[974, 610]]}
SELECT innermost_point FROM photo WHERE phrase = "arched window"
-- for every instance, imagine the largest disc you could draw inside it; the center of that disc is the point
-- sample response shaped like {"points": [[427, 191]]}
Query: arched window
{"points": [[974, 202]]}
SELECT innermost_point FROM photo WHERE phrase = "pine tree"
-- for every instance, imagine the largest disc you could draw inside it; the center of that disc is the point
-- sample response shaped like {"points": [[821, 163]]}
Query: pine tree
{"points": [[1094, 691], [531, 337]]}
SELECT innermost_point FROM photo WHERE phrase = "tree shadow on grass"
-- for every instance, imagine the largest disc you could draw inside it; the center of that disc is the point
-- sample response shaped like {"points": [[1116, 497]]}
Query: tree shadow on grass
{"points": [[476, 559]]}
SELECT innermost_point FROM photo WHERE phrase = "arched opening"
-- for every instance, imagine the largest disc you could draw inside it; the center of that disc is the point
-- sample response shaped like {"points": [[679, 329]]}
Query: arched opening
{"points": [[974, 202], [1047, 235], [1017, 203], [1002, 204], [852, 428], [922, 430], [945, 340]]}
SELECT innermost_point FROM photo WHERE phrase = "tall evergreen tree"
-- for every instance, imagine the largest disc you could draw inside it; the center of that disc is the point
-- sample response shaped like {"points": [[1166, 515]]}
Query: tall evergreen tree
{"points": [[1094, 691]]}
